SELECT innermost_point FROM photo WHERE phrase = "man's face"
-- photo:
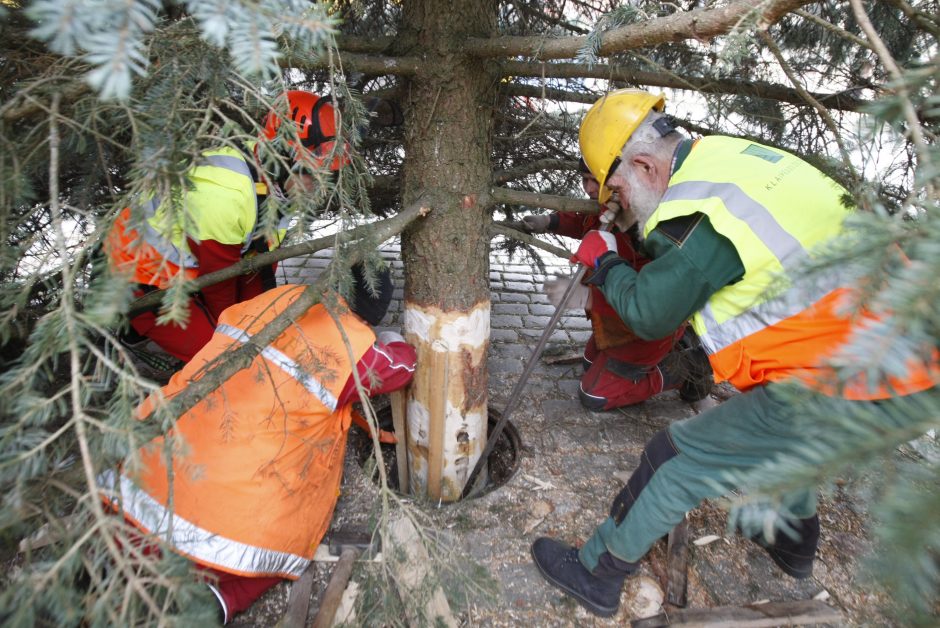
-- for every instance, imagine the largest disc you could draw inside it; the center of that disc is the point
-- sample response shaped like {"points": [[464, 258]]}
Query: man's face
{"points": [[639, 186], [304, 182], [590, 185]]}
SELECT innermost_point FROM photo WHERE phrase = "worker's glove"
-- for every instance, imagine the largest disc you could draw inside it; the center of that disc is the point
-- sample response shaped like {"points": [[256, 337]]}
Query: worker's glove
{"points": [[595, 245], [555, 290], [388, 337], [536, 223], [622, 218]]}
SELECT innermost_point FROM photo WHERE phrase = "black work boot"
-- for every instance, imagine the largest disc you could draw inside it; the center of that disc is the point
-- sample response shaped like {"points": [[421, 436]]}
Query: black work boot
{"points": [[794, 556], [597, 591], [699, 380]]}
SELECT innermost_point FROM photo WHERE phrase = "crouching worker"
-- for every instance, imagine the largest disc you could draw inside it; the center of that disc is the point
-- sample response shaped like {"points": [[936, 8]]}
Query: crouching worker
{"points": [[256, 466], [725, 220]]}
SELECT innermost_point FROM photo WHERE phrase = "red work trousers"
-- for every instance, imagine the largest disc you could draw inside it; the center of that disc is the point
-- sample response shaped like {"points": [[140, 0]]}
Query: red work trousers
{"points": [[236, 593], [180, 342], [626, 375]]}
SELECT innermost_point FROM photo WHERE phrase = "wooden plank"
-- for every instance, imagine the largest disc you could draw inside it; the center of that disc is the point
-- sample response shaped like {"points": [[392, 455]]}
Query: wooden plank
{"points": [[677, 563], [335, 588], [792, 613], [298, 602], [437, 415], [399, 403]]}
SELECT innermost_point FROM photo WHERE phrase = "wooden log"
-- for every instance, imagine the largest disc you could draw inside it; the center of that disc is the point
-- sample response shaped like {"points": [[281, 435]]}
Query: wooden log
{"points": [[298, 603], [399, 403], [337, 585], [792, 613], [677, 563]]}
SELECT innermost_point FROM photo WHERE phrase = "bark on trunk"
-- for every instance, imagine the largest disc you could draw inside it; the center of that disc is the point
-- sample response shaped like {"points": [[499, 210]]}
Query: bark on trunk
{"points": [[447, 293]]}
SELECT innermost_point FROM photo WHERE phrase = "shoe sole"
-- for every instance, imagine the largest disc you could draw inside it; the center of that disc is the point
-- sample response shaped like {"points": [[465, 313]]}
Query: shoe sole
{"points": [[797, 574], [600, 611]]}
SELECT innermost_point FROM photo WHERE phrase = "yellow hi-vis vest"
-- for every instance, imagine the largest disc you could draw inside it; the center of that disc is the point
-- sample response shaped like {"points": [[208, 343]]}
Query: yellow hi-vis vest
{"points": [[775, 209], [256, 466], [219, 204]]}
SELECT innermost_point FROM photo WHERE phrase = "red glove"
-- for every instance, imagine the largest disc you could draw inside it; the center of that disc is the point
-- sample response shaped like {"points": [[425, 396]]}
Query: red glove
{"points": [[593, 245]]}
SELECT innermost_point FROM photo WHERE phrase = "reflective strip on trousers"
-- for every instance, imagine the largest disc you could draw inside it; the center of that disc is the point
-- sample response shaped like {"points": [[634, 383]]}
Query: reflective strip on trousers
{"points": [[286, 364], [195, 542]]}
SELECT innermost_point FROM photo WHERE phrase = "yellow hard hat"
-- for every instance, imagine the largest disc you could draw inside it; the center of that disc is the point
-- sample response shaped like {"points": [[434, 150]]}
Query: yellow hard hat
{"points": [[608, 125]]}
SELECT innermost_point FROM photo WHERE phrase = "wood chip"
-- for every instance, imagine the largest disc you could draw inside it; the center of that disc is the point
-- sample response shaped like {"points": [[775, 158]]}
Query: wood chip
{"points": [[540, 485], [705, 540]]}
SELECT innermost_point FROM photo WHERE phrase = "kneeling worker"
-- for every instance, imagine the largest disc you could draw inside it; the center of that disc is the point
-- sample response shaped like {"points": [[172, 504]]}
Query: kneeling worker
{"points": [[256, 465], [621, 368]]}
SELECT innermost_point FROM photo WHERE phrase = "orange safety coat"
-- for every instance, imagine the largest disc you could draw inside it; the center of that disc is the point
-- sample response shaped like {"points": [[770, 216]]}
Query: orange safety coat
{"points": [[771, 325], [256, 466]]}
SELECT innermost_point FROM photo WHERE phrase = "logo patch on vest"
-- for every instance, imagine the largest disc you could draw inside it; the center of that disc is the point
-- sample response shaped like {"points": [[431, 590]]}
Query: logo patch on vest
{"points": [[764, 153]]}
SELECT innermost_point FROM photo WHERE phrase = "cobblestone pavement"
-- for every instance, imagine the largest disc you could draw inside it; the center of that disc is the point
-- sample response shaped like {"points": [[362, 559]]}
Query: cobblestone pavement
{"points": [[573, 462]]}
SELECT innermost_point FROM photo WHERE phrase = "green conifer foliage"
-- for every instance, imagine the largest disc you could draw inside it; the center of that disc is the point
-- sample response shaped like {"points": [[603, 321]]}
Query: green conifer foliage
{"points": [[105, 102]]}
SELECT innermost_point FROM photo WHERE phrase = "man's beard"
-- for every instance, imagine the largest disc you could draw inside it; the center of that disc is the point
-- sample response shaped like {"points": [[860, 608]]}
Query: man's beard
{"points": [[643, 201]]}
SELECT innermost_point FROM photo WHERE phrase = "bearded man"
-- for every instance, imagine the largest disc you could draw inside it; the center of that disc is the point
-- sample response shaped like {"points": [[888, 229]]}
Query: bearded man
{"points": [[728, 224]]}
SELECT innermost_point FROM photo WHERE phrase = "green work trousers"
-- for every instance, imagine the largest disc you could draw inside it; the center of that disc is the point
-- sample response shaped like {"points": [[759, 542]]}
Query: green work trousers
{"points": [[695, 459]]}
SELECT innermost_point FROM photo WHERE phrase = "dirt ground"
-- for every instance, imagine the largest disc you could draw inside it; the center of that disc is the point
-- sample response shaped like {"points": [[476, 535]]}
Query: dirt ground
{"points": [[572, 463]]}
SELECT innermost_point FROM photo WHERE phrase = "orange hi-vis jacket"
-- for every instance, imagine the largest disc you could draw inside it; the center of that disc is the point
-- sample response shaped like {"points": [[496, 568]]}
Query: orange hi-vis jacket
{"points": [[256, 466], [771, 325]]}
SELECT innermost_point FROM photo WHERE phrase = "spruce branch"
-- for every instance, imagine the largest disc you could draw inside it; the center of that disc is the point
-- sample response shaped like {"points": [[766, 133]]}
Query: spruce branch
{"points": [[506, 196], [375, 65], [224, 367], [253, 264], [822, 111], [506, 229], [535, 91], [533, 167], [674, 80], [67, 305], [914, 128], [699, 24]]}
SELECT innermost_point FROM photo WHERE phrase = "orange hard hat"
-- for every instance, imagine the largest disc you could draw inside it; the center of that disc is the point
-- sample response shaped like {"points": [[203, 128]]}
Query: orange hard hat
{"points": [[316, 121]]}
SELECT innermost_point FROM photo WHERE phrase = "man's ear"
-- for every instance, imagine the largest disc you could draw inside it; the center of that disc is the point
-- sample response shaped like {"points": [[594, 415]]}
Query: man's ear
{"points": [[651, 171]]}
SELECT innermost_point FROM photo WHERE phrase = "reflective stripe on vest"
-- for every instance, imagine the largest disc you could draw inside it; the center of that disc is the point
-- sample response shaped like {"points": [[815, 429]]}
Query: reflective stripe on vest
{"points": [[774, 208], [789, 252], [716, 336], [191, 540], [286, 364], [742, 206], [163, 245], [258, 463]]}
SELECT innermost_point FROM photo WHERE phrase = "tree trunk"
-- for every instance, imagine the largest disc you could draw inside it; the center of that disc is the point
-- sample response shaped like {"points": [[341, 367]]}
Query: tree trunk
{"points": [[447, 294]]}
